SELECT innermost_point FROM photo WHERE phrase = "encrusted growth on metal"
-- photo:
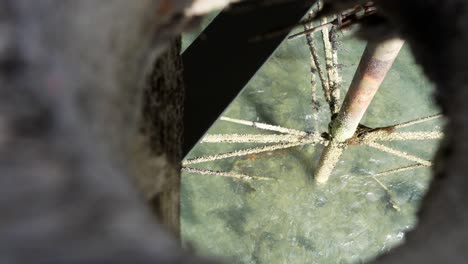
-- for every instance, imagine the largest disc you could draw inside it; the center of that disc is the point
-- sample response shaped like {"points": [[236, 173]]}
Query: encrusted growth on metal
{"points": [[375, 63]]}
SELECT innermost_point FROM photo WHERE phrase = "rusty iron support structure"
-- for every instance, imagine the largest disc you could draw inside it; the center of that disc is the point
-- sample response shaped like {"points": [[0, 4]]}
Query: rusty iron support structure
{"points": [[373, 67]]}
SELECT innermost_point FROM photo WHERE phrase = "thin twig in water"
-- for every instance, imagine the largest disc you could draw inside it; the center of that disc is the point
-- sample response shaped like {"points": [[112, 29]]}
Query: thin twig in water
{"points": [[381, 135], [417, 121], [242, 152], [387, 192], [331, 61], [235, 175], [310, 30], [402, 169], [313, 72], [258, 138], [398, 153], [265, 126], [328, 60], [335, 79], [315, 64]]}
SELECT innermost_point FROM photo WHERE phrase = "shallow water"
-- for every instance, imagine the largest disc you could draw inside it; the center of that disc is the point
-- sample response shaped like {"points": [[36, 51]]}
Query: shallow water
{"points": [[291, 219]]}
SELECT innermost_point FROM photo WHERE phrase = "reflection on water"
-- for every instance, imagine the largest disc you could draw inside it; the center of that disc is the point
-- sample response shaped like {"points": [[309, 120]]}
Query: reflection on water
{"points": [[291, 219]]}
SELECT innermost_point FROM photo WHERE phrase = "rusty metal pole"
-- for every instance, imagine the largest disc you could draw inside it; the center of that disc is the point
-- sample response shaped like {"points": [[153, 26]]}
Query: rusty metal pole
{"points": [[373, 67]]}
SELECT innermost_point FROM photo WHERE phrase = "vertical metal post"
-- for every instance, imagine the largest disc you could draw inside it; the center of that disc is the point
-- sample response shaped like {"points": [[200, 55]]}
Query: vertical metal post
{"points": [[228, 53], [373, 67]]}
